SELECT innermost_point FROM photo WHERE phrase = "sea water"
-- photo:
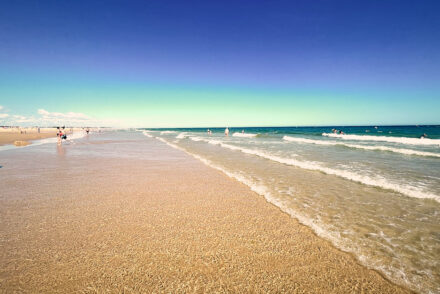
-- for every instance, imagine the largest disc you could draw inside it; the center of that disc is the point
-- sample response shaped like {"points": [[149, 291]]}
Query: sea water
{"points": [[373, 191]]}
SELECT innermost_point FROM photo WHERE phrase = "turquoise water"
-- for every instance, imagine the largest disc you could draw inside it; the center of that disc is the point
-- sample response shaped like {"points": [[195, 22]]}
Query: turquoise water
{"points": [[373, 191]]}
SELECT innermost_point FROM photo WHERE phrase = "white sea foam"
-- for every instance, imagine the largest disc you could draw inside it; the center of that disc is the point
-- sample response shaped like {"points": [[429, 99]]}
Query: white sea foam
{"points": [[168, 132], [244, 135], [400, 140], [378, 148], [319, 228], [197, 139], [261, 190], [377, 181], [181, 135], [146, 133], [326, 231]]}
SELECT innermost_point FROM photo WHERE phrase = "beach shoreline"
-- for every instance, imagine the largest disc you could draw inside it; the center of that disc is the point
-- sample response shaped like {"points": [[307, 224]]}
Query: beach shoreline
{"points": [[17, 135], [14, 134], [164, 223]]}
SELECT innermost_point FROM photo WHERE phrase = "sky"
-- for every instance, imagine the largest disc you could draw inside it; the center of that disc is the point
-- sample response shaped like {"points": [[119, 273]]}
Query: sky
{"points": [[219, 63]]}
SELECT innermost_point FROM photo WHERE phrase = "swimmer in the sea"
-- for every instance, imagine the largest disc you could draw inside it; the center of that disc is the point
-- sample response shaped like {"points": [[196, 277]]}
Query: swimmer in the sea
{"points": [[424, 136]]}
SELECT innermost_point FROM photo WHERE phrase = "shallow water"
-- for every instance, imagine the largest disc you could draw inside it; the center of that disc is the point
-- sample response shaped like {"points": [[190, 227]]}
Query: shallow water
{"points": [[371, 200], [374, 192]]}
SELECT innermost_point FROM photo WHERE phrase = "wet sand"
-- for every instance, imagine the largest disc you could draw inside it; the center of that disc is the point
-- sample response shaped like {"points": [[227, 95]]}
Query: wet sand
{"points": [[166, 223]]}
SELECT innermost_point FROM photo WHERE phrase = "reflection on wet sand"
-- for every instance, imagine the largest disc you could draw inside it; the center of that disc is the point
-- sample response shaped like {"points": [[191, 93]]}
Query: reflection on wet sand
{"points": [[141, 217]]}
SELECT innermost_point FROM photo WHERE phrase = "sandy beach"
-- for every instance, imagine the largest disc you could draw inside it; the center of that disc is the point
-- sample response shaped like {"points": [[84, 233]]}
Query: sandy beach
{"points": [[11, 135], [24, 136], [76, 219]]}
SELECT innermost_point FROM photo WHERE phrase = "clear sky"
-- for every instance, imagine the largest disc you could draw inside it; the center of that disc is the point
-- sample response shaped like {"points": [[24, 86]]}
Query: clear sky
{"points": [[217, 63]]}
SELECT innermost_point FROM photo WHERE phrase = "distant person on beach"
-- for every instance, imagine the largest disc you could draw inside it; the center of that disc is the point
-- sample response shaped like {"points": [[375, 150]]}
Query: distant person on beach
{"points": [[424, 136], [226, 131], [242, 131], [59, 135], [87, 131]]}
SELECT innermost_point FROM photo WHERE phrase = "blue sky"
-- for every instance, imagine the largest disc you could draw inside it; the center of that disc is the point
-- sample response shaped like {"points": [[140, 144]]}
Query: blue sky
{"points": [[217, 63]]}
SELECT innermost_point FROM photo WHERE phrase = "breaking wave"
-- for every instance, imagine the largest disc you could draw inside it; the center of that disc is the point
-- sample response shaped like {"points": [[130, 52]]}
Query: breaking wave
{"points": [[373, 148], [244, 135], [399, 140], [379, 182]]}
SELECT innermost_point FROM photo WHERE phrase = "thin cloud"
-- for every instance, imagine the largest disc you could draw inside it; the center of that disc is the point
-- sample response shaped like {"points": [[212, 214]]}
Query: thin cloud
{"points": [[46, 118], [22, 119], [67, 115]]}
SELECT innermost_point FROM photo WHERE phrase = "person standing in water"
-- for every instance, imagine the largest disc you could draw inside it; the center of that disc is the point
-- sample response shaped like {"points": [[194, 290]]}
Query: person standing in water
{"points": [[64, 133], [226, 131], [59, 134]]}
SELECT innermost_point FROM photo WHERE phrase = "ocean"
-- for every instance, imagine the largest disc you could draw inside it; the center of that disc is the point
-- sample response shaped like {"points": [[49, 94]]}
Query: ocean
{"points": [[373, 191]]}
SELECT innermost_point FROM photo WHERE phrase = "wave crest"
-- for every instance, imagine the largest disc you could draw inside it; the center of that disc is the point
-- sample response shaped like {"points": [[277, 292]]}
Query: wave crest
{"points": [[379, 182], [400, 140], [372, 148], [244, 135]]}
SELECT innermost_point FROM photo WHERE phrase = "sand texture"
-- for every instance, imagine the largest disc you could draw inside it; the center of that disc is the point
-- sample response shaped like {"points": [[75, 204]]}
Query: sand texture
{"points": [[9, 137], [90, 224]]}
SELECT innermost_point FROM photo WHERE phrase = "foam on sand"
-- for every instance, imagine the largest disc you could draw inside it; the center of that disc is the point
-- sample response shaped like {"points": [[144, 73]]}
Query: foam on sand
{"points": [[400, 140], [372, 148], [261, 189], [257, 188]]}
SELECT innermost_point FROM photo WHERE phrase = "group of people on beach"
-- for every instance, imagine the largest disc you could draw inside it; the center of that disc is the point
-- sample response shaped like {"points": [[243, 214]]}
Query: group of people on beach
{"points": [[61, 134]]}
